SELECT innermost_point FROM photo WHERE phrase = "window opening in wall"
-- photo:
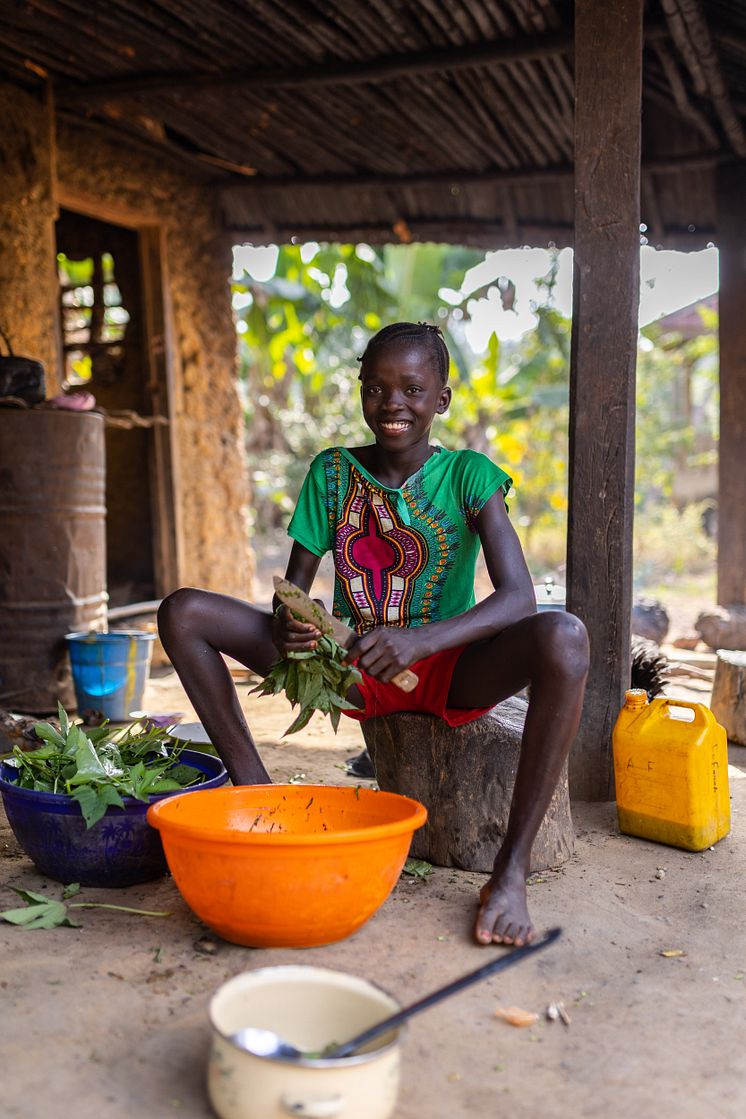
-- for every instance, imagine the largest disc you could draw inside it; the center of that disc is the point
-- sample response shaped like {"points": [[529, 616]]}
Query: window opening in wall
{"points": [[94, 320]]}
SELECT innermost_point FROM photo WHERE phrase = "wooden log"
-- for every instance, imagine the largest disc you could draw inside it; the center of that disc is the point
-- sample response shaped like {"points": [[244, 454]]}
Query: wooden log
{"points": [[464, 776], [608, 73], [729, 694]]}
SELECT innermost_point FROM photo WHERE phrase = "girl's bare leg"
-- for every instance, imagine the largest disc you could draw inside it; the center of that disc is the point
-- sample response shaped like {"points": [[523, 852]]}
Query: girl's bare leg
{"points": [[196, 627], [549, 652]]}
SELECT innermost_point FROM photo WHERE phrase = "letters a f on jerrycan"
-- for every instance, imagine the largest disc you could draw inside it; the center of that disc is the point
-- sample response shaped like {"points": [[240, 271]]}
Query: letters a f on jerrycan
{"points": [[671, 770]]}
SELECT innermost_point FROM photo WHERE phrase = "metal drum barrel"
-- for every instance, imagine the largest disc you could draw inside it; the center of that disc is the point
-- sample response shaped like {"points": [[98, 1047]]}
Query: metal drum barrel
{"points": [[52, 549]]}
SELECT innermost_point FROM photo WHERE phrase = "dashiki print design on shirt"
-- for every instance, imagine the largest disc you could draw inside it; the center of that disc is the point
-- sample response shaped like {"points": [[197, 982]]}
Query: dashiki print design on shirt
{"points": [[402, 556]]}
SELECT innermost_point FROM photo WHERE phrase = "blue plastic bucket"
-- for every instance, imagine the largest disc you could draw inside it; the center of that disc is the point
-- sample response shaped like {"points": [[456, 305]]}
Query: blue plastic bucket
{"points": [[110, 670]]}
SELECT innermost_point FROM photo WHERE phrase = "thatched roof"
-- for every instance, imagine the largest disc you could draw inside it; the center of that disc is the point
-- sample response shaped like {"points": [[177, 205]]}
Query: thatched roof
{"points": [[384, 119]]}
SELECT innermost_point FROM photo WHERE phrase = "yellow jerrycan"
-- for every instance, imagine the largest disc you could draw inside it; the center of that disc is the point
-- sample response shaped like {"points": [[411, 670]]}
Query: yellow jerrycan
{"points": [[671, 771]]}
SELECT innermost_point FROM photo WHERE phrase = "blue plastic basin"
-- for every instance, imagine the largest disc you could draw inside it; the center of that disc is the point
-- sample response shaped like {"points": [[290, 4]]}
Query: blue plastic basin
{"points": [[122, 849]]}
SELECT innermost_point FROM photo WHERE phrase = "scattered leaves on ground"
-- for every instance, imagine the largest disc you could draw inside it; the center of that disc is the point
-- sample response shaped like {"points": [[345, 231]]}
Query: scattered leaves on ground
{"points": [[42, 912], [417, 868]]}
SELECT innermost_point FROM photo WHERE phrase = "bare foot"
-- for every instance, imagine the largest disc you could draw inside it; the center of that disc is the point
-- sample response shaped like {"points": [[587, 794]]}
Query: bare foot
{"points": [[503, 914]]}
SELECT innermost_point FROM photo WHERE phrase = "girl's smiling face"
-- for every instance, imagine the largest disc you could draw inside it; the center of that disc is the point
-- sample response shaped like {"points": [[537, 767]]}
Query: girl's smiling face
{"points": [[401, 393]]}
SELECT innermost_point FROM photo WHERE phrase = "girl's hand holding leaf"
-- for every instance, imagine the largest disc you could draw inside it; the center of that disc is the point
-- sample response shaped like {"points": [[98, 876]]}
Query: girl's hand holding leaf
{"points": [[291, 634]]}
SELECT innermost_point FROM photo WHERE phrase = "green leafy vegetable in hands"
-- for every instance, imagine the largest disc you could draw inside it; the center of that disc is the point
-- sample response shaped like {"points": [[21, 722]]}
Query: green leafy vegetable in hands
{"points": [[317, 680], [101, 766], [42, 912]]}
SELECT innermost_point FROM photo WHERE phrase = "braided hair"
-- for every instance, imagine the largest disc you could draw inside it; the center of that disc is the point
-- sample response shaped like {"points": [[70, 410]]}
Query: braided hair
{"points": [[416, 335]]}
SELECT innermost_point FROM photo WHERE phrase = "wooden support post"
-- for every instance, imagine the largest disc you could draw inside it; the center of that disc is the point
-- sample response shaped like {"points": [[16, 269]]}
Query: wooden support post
{"points": [[168, 544], [731, 583], [608, 72]]}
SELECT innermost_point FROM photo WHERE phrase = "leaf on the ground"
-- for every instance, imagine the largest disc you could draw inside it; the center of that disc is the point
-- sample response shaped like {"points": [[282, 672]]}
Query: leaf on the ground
{"points": [[515, 1016], [39, 913], [29, 896], [672, 952], [42, 912], [417, 868]]}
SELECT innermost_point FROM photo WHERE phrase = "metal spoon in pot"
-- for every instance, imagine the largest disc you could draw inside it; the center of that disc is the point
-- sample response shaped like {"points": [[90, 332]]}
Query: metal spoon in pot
{"points": [[266, 1043]]}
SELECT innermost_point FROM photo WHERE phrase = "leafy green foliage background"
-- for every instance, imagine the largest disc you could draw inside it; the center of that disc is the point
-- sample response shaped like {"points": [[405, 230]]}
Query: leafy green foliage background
{"points": [[301, 334]]}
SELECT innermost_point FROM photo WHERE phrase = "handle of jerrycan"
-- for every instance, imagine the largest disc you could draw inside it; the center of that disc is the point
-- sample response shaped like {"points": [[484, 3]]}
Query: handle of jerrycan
{"points": [[314, 1108], [700, 719]]}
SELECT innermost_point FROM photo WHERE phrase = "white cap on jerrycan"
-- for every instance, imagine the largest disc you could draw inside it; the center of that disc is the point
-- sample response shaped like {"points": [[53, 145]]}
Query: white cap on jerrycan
{"points": [[635, 697]]}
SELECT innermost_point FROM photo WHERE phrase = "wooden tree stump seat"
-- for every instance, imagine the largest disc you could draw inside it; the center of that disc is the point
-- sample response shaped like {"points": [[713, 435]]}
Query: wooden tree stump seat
{"points": [[729, 694], [464, 776]]}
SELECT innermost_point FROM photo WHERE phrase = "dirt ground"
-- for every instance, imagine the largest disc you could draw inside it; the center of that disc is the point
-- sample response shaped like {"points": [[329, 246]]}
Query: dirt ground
{"points": [[110, 1019]]}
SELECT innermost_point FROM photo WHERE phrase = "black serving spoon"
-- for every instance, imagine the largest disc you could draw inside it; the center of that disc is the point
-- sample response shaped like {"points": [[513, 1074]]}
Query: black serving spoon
{"points": [[266, 1043]]}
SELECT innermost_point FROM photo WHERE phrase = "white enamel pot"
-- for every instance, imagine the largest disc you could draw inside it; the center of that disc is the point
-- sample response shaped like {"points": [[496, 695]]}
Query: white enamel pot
{"points": [[310, 1007]]}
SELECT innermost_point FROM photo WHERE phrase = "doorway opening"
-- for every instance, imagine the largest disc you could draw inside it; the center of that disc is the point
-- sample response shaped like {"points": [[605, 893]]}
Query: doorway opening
{"points": [[105, 348]]}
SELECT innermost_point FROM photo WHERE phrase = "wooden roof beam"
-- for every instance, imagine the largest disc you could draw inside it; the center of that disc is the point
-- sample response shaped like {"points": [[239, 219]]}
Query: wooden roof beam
{"points": [[696, 161], [442, 227], [401, 229], [691, 34], [159, 148], [524, 48], [678, 89]]}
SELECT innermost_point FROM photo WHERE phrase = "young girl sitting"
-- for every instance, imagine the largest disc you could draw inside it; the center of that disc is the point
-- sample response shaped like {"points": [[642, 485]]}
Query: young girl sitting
{"points": [[404, 520]]}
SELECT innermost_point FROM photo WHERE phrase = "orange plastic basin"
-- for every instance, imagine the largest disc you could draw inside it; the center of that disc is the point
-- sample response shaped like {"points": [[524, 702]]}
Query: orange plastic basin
{"points": [[286, 866]]}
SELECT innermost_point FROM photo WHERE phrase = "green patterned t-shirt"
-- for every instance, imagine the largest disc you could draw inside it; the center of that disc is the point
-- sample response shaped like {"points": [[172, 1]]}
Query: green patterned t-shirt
{"points": [[402, 557]]}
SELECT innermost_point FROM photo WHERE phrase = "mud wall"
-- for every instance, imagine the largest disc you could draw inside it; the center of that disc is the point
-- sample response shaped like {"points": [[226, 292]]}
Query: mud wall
{"points": [[28, 278], [79, 168]]}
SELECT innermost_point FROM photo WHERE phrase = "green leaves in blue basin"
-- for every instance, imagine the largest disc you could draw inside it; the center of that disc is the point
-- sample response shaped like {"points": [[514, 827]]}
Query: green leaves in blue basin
{"points": [[99, 767]]}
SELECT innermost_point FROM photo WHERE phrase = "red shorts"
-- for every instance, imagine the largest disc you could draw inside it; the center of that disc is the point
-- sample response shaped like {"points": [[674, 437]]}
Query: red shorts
{"points": [[430, 697]]}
